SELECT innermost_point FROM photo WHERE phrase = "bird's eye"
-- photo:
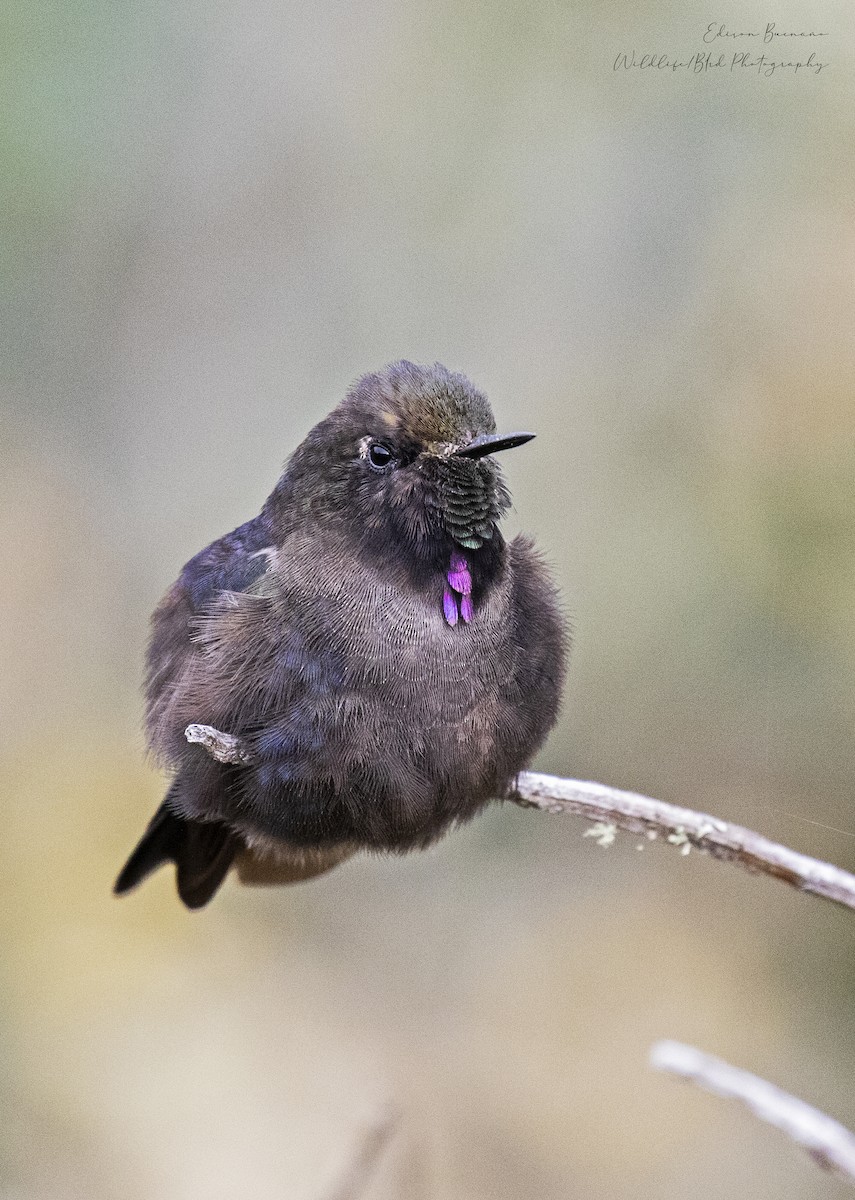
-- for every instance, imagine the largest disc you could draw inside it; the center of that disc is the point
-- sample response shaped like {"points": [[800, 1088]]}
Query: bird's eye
{"points": [[379, 455]]}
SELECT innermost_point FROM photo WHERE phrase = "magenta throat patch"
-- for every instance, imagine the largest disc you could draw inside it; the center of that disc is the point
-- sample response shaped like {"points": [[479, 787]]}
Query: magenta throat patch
{"points": [[457, 596]]}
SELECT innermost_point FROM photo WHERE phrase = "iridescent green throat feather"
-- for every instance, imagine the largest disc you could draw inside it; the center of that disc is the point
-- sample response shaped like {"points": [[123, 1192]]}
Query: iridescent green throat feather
{"points": [[472, 498]]}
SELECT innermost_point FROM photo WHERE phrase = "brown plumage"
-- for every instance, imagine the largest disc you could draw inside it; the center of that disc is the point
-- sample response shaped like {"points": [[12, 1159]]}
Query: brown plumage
{"points": [[325, 634]]}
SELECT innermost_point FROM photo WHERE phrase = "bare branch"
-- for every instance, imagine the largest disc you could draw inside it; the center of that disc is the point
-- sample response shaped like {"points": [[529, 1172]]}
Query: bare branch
{"points": [[829, 1143], [685, 828], [224, 747], [359, 1170], [611, 809]]}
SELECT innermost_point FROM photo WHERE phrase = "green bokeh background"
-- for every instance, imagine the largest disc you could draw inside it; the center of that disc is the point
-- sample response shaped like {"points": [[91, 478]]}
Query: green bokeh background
{"points": [[216, 218]]}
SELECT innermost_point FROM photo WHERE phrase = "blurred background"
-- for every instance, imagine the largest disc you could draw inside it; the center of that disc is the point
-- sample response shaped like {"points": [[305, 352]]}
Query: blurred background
{"points": [[217, 217]]}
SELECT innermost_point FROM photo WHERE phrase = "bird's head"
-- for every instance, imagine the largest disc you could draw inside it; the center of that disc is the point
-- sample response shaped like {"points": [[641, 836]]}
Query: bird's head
{"points": [[406, 460]]}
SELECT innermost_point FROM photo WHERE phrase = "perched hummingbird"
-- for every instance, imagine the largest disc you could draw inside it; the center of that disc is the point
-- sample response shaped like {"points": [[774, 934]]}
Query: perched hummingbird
{"points": [[389, 662]]}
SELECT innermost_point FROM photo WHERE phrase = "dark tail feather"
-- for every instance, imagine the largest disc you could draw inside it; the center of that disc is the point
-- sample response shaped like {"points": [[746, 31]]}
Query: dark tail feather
{"points": [[201, 851]]}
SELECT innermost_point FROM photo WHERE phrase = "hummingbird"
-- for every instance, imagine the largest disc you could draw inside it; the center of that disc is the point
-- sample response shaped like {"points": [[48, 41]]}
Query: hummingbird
{"points": [[389, 662]]}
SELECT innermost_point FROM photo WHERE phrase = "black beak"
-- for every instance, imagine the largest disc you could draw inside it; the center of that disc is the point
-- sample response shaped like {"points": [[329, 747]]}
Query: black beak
{"points": [[492, 444]]}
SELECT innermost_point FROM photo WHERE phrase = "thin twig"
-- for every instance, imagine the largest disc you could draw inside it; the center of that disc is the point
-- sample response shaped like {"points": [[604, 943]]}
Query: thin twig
{"points": [[611, 809], [359, 1169], [224, 747], [827, 1141], [684, 827]]}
